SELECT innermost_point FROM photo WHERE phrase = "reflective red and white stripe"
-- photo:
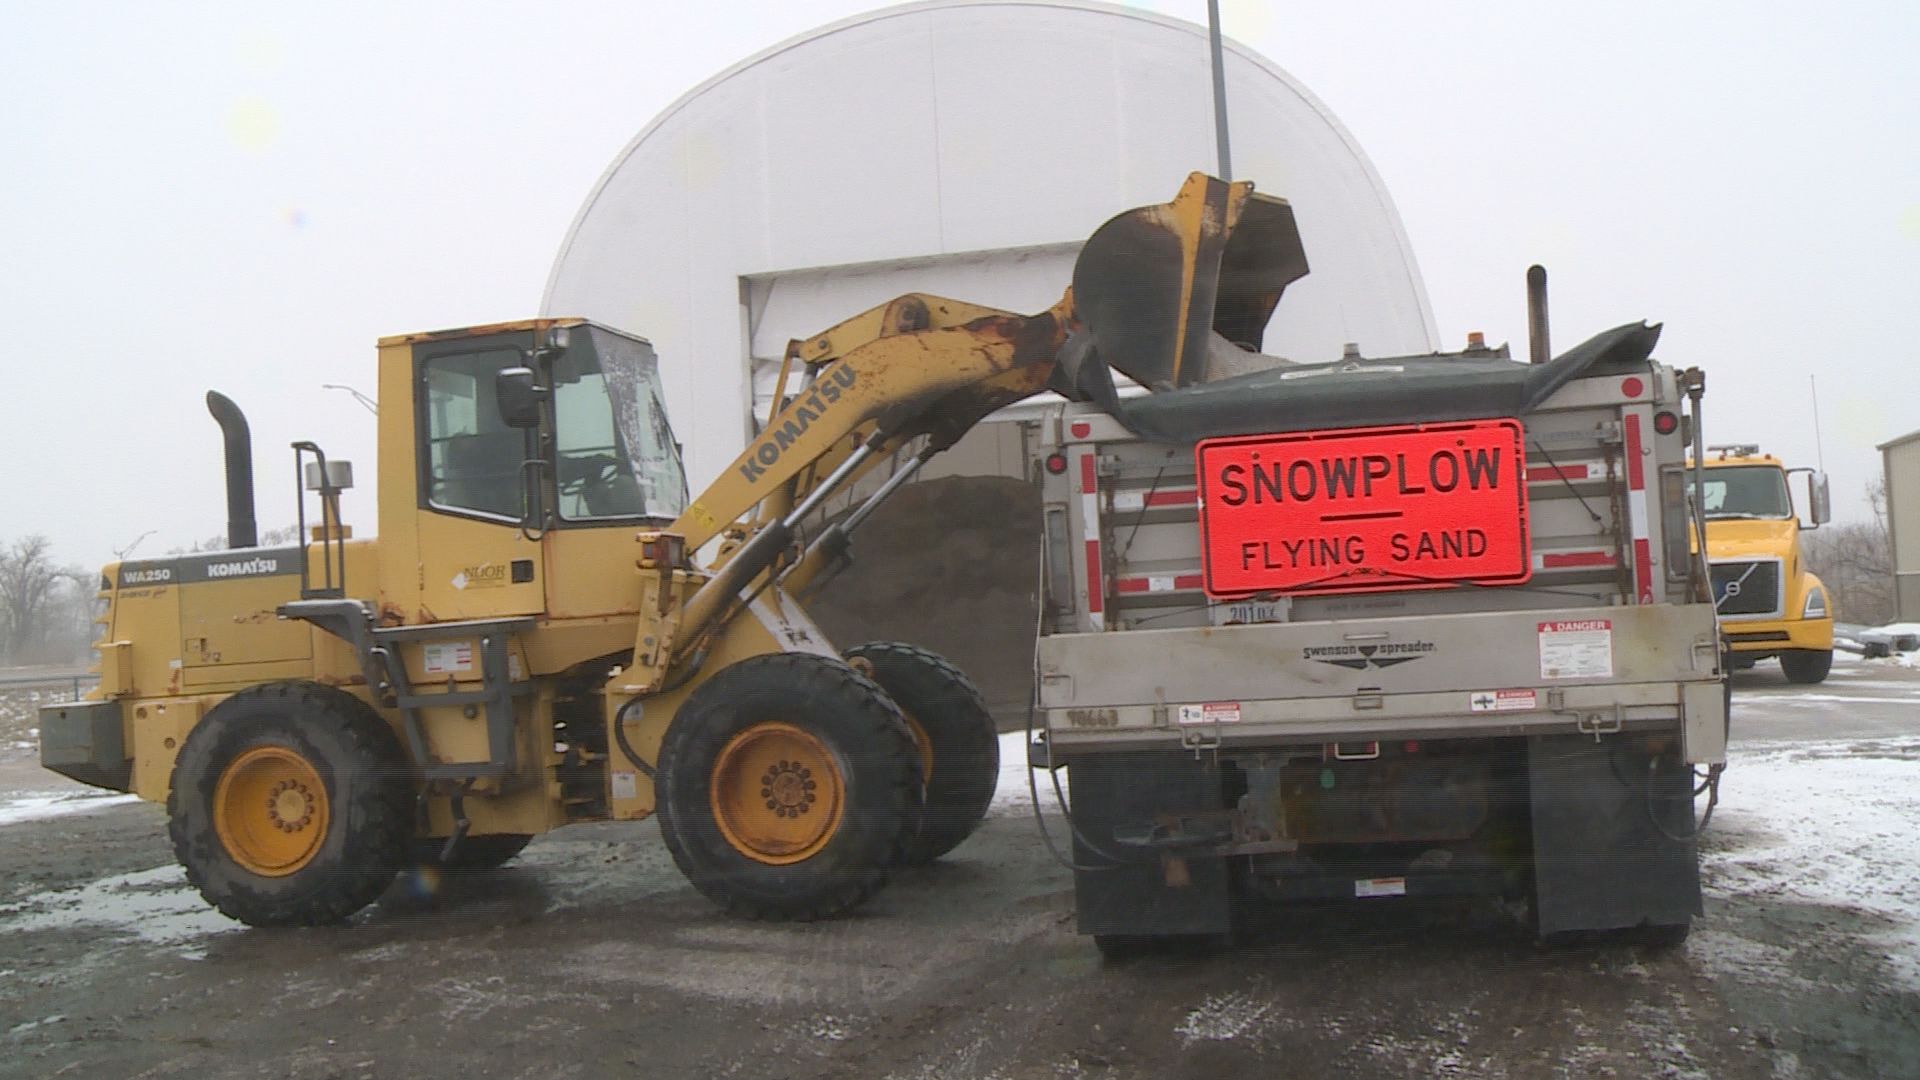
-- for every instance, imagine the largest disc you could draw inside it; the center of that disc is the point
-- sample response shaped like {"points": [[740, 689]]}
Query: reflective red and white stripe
{"points": [[1133, 501], [1638, 510], [1090, 532], [1158, 583], [1572, 560], [1567, 471]]}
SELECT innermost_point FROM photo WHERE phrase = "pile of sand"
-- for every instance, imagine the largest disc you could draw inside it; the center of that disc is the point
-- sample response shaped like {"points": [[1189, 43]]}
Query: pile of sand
{"points": [[950, 565]]}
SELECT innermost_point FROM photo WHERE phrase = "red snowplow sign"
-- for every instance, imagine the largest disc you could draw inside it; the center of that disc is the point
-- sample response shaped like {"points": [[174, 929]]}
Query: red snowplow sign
{"points": [[1364, 508]]}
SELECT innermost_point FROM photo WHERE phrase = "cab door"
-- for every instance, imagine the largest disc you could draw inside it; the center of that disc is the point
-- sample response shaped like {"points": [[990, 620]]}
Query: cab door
{"points": [[615, 471], [474, 560]]}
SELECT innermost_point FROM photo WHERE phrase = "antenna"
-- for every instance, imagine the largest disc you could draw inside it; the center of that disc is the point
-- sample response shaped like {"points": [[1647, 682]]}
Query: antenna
{"points": [[1819, 453], [366, 402], [1219, 90]]}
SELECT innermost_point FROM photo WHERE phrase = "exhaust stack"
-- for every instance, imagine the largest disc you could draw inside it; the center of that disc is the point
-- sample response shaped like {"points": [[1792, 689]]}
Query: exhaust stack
{"points": [[1539, 345], [241, 529]]}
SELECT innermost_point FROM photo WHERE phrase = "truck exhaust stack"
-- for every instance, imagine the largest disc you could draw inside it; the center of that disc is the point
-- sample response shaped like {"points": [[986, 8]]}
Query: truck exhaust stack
{"points": [[241, 530], [1539, 344]]}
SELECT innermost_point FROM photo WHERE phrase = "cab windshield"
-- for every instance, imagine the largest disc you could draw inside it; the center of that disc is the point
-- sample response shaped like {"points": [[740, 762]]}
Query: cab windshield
{"points": [[1745, 491], [615, 453]]}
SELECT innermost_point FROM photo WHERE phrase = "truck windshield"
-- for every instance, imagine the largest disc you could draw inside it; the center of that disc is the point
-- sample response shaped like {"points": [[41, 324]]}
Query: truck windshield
{"points": [[1746, 491], [616, 455]]}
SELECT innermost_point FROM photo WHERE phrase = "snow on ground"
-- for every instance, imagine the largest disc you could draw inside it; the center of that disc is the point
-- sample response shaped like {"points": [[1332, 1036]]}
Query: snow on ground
{"points": [[156, 905], [40, 805], [1829, 822], [1012, 795]]}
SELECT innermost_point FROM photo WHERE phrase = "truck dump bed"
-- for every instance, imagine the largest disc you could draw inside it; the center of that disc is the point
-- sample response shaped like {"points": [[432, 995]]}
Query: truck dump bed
{"points": [[1380, 592]]}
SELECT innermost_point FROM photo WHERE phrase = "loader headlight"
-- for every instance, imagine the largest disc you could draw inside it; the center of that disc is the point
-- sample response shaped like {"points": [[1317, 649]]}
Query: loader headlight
{"points": [[1816, 607]]}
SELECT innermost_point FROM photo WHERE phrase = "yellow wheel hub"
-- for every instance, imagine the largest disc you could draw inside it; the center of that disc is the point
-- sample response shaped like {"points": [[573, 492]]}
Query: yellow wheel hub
{"points": [[777, 793], [270, 810]]}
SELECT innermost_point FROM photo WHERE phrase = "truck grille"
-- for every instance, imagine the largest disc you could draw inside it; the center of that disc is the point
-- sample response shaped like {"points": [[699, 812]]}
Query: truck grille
{"points": [[1747, 588]]}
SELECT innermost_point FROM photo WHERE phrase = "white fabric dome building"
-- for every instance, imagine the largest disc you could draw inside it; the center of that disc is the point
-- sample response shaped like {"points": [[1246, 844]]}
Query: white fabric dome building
{"points": [[963, 148]]}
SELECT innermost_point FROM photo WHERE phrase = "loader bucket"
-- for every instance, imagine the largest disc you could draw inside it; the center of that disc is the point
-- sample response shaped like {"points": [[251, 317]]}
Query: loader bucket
{"points": [[1153, 283]]}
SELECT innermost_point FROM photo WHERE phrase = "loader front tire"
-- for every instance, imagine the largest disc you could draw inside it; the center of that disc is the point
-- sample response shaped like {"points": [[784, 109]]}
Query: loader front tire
{"points": [[784, 784], [291, 805], [959, 749]]}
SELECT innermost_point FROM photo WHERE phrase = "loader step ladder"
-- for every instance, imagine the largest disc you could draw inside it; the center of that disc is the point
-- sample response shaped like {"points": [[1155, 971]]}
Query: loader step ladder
{"points": [[377, 648]]}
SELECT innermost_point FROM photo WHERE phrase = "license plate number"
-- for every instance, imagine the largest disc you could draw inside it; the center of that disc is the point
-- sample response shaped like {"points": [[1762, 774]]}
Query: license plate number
{"points": [[1249, 611]]}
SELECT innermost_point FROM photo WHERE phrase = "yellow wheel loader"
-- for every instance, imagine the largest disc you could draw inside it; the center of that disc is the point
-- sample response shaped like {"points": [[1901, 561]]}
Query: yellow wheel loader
{"points": [[546, 630]]}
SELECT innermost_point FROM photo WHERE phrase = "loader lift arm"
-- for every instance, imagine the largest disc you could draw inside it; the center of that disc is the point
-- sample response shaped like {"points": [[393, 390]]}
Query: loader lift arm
{"points": [[1149, 286]]}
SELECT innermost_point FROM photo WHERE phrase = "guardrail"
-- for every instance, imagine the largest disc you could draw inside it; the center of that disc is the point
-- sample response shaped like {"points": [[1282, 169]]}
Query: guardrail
{"points": [[69, 679]]}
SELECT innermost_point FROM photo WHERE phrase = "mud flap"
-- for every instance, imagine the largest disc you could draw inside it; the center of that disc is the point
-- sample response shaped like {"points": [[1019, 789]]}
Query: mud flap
{"points": [[1139, 891], [1599, 861]]}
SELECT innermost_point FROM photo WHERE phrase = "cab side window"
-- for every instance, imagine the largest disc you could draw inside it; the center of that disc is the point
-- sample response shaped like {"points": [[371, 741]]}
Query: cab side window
{"points": [[472, 457]]}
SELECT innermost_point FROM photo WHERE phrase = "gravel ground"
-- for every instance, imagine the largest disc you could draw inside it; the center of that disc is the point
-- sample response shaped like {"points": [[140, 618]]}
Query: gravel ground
{"points": [[591, 957]]}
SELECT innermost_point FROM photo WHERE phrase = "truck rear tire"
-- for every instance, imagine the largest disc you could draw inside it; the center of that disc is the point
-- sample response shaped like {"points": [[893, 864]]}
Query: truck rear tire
{"points": [[959, 749], [784, 786], [1806, 666], [291, 805], [473, 853]]}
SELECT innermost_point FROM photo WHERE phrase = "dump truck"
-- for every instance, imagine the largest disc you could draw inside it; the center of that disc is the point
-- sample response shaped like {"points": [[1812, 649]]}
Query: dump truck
{"points": [[1374, 627], [1770, 603], [547, 629]]}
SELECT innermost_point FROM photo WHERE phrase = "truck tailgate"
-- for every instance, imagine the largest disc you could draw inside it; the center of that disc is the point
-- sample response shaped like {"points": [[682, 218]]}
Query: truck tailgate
{"points": [[1462, 673]]}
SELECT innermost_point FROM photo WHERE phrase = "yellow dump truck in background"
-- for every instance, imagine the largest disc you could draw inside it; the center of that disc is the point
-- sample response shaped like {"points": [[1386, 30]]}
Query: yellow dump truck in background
{"points": [[1770, 605]]}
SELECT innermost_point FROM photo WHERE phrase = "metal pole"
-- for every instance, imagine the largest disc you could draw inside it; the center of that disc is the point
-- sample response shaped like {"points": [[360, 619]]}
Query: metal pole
{"points": [[1219, 90]]}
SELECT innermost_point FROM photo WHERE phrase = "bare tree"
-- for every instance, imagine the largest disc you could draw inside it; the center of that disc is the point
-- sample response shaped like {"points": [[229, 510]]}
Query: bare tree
{"points": [[32, 588], [1856, 562]]}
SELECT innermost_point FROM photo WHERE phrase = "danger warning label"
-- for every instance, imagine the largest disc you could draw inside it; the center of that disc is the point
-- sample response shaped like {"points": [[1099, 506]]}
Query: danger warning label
{"points": [[1576, 649]]}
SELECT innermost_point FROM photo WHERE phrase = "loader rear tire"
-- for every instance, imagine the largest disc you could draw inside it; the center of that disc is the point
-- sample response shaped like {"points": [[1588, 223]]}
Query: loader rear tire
{"points": [[473, 853], [291, 805], [959, 749], [784, 786]]}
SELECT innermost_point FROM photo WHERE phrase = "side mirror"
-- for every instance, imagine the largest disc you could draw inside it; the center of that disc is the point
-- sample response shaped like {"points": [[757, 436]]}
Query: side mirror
{"points": [[1819, 499], [519, 397]]}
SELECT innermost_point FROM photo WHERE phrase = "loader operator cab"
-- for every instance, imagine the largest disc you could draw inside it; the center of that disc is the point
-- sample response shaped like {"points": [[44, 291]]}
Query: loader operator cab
{"points": [[582, 401]]}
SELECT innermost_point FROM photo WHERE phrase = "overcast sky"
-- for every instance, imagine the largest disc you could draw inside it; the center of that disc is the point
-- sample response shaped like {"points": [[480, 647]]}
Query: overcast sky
{"points": [[244, 197]]}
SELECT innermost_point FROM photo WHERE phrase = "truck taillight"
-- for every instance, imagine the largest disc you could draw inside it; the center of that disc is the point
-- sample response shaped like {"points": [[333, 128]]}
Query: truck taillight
{"points": [[1666, 423], [1056, 463]]}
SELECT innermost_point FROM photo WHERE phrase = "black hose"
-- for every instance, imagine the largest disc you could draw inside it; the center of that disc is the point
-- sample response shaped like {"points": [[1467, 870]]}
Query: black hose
{"points": [[687, 671], [620, 737], [1711, 785]]}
